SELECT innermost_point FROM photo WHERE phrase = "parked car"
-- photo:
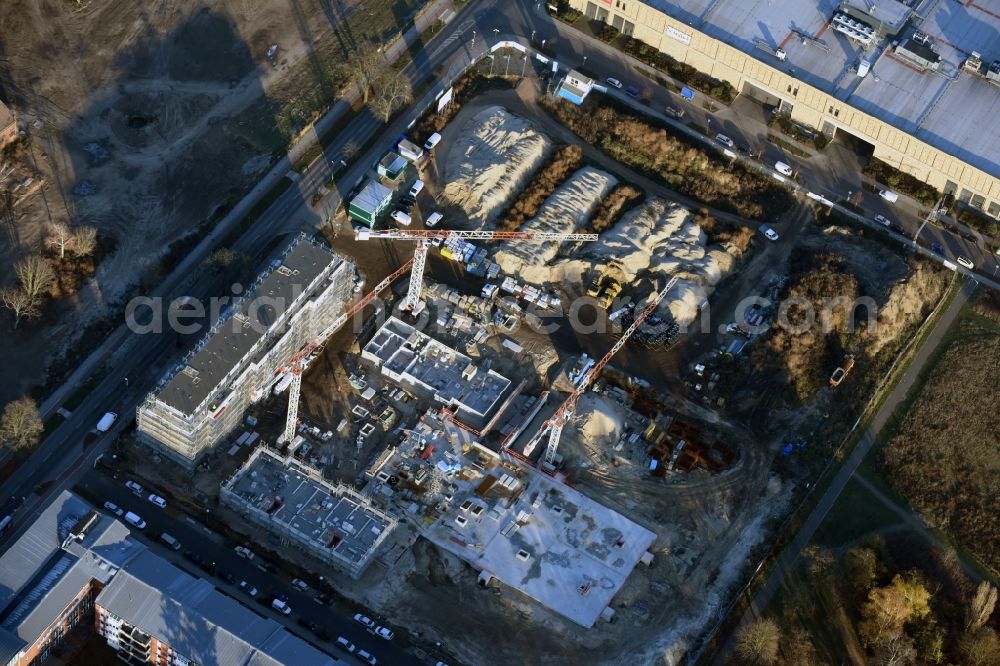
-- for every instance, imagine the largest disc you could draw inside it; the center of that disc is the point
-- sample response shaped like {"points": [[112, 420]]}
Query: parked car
{"points": [[783, 169], [417, 188], [228, 577], [432, 141], [248, 588], [300, 584], [282, 607], [134, 487], [157, 500], [614, 83], [170, 541], [365, 620], [883, 220], [937, 249], [724, 140], [432, 220], [888, 195], [345, 645], [134, 520], [267, 567], [308, 624], [114, 508], [965, 261], [401, 218], [384, 632], [323, 599], [632, 91], [674, 112], [244, 552], [768, 231], [366, 656]]}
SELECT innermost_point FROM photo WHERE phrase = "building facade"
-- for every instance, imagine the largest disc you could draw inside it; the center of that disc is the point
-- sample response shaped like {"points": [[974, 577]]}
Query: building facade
{"points": [[923, 123], [204, 398]]}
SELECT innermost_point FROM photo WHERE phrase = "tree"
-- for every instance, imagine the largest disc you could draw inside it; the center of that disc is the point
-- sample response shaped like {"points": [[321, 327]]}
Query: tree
{"points": [[757, 642], [981, 606], [897, 650], [351, 150], [860, 568], [798, 650], [980, 648], [35, 275], [366, 65], [392, 92], [59, 237], [20, 304], [21, 425], [889, 608], [84, 241]]}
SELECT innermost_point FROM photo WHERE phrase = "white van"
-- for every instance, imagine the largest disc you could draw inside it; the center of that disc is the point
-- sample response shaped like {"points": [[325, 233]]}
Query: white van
{"points": [[432, 140], [888, 195], [401, 218], [783, 168], [281, 607], [433, 219], [965, 261], [417, 188], [135, 520], [106, 422]]}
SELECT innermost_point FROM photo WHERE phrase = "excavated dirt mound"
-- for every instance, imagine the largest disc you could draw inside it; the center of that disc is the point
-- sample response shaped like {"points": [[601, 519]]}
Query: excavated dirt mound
{"points": [[501, 152]]}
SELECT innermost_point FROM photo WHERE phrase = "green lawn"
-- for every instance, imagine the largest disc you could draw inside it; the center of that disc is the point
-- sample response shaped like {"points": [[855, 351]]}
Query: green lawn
{"points": [[857, 512]]}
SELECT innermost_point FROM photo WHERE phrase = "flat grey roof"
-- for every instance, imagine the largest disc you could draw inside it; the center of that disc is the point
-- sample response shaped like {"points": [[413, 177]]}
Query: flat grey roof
{"points": [[196, 620], [435, 367], [224, 349], [315, 510], [947, 109], [371, 197]]}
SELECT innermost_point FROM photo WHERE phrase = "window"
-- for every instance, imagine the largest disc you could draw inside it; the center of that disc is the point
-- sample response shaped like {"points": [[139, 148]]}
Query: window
{"points": [[617, 22], [629, 29], [977, 201], [994, 209]]}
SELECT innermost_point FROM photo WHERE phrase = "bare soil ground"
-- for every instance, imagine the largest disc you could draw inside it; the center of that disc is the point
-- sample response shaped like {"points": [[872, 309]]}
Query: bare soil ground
{"points": [[149, 119]]}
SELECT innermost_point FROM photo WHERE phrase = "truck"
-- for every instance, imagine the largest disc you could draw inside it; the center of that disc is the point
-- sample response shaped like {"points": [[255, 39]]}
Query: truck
{"points": [[106, 422], [409, 150]]}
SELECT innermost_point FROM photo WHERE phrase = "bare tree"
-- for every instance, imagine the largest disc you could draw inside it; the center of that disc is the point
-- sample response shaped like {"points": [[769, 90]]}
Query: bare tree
{"points": [[21, 425], [392, 92], [84, 241], [351, 150], [35, 275], [980, 648], [366, 65], [59, 237], [6, 170], [757, 642], [981, 606], [20, 304]]}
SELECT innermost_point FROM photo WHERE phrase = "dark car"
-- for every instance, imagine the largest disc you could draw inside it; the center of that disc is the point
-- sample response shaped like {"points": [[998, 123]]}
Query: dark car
{"points": [[323, 599], [308, 624], [937, 249], [267, 567], [632, 91], [228, 577]]}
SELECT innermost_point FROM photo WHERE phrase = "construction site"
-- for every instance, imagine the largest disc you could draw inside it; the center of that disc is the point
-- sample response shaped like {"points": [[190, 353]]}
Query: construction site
{"points": [[513, 431]]}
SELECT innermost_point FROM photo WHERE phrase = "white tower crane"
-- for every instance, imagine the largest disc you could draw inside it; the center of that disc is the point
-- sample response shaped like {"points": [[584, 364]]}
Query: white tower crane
{"points": [[296, 364], [558, 420], [424, 236]]}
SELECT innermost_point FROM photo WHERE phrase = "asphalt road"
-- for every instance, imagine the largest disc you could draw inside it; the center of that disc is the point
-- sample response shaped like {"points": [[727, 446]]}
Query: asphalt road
{"points": [[196, 538]]}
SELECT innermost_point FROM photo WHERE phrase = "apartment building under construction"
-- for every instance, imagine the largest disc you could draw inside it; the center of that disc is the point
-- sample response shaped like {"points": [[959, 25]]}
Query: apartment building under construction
{"points": [[203, 398]]}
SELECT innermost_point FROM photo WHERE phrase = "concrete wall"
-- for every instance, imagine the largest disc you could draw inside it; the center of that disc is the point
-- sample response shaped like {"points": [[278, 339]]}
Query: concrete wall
{"points": [[811, 106]]}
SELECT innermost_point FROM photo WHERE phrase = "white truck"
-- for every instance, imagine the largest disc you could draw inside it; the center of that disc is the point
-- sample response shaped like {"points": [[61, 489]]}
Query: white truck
{"points": [[106, 422]]}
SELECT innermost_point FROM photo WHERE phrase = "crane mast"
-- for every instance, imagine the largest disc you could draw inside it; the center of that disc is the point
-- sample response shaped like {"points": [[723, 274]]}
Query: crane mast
{"points": [[558, 420]]}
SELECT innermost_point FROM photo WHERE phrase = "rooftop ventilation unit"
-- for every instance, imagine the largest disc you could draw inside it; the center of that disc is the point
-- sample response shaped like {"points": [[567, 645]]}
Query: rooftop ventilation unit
{"points": [[921, 38], [859, 31]]}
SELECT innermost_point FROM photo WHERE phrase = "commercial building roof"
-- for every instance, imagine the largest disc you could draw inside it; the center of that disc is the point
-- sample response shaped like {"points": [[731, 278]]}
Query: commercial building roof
{"points": [[946, 108], [198, 621], [236, 333], [409, 356]]}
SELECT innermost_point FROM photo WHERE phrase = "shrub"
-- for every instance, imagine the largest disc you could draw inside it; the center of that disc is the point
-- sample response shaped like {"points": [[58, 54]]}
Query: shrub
{"points": [[611, 208], [564, 161], [720, 90], [901, 182], [676, 162], [973, 219]]}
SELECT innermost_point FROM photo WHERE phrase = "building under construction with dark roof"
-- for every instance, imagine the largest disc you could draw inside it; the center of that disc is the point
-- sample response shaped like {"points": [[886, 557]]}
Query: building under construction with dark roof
{"points": [[203, 398]]}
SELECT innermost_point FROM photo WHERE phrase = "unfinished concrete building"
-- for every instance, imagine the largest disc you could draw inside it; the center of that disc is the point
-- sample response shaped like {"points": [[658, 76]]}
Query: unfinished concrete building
{"points": [[328, 521], [203, 398], [431, 369]]}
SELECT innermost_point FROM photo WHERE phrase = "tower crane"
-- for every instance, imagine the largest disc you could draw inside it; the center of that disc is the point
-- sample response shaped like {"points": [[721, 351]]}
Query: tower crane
{"points": [[296, 364], [424, 236], [558, 420]]}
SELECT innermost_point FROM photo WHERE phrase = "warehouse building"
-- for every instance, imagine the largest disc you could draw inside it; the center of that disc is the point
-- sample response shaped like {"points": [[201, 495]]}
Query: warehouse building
{"points": [[852, 70], [203, 398]]}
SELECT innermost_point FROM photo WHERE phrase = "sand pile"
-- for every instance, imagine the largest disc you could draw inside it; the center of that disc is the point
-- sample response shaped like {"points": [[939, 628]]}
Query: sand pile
{"points": [[494, 153], [598, 420], [565, 211]]}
